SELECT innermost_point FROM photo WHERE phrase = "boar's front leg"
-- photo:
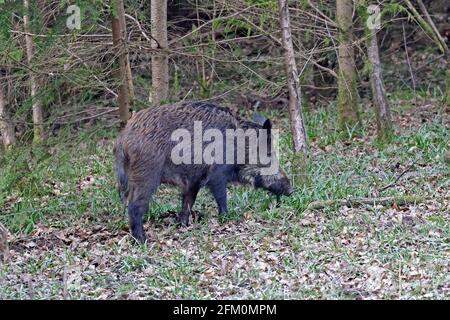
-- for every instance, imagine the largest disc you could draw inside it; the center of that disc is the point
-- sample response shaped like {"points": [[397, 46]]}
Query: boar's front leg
{"points": [[136, 211], [189, 196], [219, 192]]}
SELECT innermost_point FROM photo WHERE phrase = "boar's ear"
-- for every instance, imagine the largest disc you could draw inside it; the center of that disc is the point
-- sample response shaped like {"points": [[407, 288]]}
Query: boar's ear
{"points": [[267, 125]]}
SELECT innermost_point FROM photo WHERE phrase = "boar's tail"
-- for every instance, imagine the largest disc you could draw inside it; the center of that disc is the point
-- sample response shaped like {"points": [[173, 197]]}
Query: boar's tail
{"points": [[122, 176]]}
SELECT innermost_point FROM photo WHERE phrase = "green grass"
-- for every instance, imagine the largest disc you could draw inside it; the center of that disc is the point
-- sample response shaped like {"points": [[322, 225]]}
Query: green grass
{"points": [[65, 190]]}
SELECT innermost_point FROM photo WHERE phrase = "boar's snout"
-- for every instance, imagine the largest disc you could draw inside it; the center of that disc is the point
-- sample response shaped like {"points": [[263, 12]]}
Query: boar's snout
{"points": [[290, 191], [281, 188], [278, 184]]}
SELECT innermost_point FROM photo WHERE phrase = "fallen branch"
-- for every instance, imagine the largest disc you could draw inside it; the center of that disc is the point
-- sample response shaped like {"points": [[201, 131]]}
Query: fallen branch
{"points": [[110, 110], [398, 178], [384, 201]]}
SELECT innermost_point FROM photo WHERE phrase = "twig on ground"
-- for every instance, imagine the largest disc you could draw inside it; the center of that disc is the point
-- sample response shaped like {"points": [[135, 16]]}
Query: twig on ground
{"points": [[398, 178], [400, 200]]}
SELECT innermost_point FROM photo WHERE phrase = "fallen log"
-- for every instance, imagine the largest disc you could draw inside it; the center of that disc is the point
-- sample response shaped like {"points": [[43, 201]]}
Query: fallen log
{"points": [[354, 202]]}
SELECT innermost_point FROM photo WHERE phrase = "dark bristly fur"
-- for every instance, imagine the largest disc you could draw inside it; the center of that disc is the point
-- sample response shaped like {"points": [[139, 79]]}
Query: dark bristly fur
{"points": [[143, 160]]}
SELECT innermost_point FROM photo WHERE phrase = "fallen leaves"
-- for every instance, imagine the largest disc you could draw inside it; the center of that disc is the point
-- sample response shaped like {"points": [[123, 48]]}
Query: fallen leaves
{"points": [[364, 252], [375, 280]]}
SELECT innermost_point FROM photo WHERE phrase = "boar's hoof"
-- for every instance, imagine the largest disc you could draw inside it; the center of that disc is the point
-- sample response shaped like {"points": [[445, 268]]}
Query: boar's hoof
{"points": [[183, 219], [139, 237]]}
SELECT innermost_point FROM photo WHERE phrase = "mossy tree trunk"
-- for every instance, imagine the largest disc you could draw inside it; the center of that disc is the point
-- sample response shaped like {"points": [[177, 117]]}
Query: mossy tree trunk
{"points": [[38, 117], [6, 126], [123, 26], [126, 91], [299, 162], [380, 102], [347, 94], [295, 100], [160, 61]]}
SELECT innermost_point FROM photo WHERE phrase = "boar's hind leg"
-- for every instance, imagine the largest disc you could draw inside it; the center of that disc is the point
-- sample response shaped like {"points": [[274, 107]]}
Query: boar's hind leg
{"points": [[219, 192], [138, 205], [189, 196]]}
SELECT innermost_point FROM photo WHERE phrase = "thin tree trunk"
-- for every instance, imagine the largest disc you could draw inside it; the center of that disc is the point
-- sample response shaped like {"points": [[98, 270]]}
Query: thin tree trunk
{"points": [[121, 12], [38, 118], [4, 247], [447, 80], [210, 82], [347, 93], [295, 107], [126, 91], [306, 76], [160, 61], [382, 111], [428, 25], [6, 127], [130, 81], [441, 42]]}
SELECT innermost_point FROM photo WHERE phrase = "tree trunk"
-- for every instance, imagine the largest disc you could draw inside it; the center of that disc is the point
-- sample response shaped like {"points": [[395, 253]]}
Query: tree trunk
{"points": [[126, 91], [295, 106], [6, 127], [440, 41], [121, 11], [4, 247], [38, 118], [160, 61], [347, 94], [382, 111], [428, 26], [447, 80]]}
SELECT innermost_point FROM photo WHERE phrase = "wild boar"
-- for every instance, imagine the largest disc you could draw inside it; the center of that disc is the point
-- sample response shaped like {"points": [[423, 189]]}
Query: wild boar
{"points": [[145, 153]]}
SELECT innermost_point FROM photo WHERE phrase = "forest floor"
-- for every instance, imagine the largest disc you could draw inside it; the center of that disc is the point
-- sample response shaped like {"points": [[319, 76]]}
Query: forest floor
{"points": [[69, 235]]}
